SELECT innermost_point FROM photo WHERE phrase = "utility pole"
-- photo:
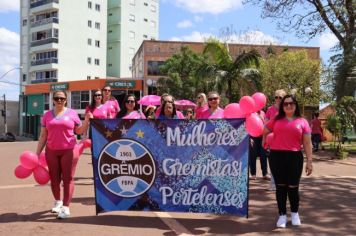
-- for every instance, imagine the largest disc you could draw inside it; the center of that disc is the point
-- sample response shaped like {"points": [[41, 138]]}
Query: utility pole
{"points": [[4, 114]]}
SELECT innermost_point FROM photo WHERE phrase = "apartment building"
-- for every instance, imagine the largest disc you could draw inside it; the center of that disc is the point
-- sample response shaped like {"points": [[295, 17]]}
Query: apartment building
{"points": [[129, 23]]}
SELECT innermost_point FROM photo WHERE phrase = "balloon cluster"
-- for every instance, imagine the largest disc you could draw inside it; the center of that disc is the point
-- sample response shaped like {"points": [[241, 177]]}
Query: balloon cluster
{"points": [[32, 163], [247, 108]]}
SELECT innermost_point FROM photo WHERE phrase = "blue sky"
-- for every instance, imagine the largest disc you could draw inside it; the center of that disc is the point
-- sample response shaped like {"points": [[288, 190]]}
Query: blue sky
{"points": [[186, 20]]}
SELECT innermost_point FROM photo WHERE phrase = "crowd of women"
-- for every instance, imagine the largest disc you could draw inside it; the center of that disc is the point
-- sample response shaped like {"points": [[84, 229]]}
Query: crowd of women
{"points": [[283, 118]]}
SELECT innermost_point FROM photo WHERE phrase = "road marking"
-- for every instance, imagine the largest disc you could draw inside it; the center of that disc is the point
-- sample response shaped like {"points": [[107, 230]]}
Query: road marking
{"points": [[173, 224]]}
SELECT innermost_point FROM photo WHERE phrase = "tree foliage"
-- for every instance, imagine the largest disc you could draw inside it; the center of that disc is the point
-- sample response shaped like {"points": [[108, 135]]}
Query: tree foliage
{"points": [[292, 71]]}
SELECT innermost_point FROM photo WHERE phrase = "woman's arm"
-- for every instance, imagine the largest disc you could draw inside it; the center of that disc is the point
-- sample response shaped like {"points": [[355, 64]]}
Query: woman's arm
{"points": [[307, 144], [84, 127], [42, 140]]}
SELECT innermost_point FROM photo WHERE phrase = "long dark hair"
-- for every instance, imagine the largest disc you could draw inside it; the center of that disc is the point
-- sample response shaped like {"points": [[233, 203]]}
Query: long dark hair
{"points": [[123, 110], [282, 114], [92, 104], [164, 106]]}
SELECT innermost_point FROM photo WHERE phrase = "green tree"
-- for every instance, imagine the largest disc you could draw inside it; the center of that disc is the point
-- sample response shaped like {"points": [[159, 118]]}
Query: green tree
{"points": [[180, 70], [313, 17], [232, 77], [294, 72]]}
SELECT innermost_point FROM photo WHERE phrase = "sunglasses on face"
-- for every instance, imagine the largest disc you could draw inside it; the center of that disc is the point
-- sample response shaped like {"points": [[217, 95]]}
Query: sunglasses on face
{"points": [[59, 99], [106, 90], [286, 104], [199, 97], [169, 101], [213, 99], [278, 97], [97, 95], [130, 101]]}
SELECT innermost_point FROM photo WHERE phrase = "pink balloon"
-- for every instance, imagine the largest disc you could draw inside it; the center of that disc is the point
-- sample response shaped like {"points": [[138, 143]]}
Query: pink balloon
{"points": [[254, 125], [22, 172], [233, 110], [247, 105], [41, 175], [260, 100], [29, 160], [42, 160], [87, 143], [269, 138]]}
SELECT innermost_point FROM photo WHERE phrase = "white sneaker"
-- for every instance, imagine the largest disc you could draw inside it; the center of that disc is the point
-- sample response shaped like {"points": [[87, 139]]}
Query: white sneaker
{"points": [[57, 206], [63, 213], [295, 218], [282, 221]]}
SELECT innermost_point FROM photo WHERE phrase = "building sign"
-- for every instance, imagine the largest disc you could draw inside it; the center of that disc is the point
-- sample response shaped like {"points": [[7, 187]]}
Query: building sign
{"points": [[171, 165], [121, 84], [56, 87]]}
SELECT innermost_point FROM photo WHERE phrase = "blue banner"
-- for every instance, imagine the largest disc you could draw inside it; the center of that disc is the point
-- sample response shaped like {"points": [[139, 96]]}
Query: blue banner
{"points": [[171, 165]]}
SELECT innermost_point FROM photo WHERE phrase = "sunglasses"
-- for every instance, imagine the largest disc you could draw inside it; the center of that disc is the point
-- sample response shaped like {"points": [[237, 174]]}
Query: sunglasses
{"points": [[169, 101], [278, 97], [199, 97], [286, 104], [97, 95], [130, 101], [106, 90], [59, 99], [213, 99]]}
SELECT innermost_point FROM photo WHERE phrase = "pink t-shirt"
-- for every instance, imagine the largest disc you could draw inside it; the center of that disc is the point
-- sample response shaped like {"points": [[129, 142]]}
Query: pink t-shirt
{"points": [[316, 126], [179, 114], [200, 110], [100, 112], [288, 134], [218, 114], [60, 130], [271, 112], [113, 107], [134, 115]]}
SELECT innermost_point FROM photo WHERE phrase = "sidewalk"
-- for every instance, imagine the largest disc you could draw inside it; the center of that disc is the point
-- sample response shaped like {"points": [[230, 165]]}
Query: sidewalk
{"points": [[328, 206]]}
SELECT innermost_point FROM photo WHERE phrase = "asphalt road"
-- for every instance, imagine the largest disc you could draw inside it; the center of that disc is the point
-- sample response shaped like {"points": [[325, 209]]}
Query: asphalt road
{"points": [[328, 206]]}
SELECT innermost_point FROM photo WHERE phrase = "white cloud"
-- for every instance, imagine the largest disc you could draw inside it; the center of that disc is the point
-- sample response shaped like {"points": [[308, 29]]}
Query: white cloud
{"points": [[184, 24], [198, 19], [9, 5], [209, 6], [249, 37], [327, 41], [9, 58]]}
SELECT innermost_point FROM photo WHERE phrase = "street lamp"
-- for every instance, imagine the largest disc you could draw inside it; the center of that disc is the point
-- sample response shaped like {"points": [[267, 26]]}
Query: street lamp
{"points": [[305, 91], [4, 113]]}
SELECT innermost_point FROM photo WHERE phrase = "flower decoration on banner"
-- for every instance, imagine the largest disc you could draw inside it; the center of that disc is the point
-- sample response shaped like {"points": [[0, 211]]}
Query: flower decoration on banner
{"points": [[30, 163]]}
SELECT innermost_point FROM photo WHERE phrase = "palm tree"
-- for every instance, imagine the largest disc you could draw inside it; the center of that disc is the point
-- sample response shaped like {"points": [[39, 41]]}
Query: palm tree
{"points": [[227, 73]]}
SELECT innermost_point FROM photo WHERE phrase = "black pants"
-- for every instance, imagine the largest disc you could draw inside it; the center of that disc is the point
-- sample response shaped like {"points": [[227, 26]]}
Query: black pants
{"points": [[256, 150], [286, 168], [316, 138]]}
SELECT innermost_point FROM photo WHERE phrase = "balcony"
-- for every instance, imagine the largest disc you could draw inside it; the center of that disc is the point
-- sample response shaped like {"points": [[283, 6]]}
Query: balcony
{"points": [[41, 3], [46, 80], [44, 41], [44, 61], [45, 21]]}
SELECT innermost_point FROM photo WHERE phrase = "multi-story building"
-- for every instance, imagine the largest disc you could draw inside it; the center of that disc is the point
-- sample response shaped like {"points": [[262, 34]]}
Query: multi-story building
{"points": [[129, 23]]}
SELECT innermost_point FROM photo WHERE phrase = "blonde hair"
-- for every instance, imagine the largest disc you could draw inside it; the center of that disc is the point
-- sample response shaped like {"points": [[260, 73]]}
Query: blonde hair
{"points": [[280, 91]]}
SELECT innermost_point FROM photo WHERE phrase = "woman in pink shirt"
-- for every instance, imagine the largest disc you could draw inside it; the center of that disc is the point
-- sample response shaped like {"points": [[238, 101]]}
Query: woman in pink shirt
{"points": [[214, 111], [111, 102], [291, 131], [202, 104], [168, 98], [316, 131], [59, 127], [97, 108], [130, 109], [272, 111]]}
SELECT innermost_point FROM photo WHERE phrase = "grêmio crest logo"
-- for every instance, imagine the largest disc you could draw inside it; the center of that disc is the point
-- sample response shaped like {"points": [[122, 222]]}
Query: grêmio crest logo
{"points": [[126, 168]]}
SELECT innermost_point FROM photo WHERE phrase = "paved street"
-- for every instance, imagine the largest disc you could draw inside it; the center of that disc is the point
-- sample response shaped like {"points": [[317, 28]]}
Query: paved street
{"points": [[328, 206]]}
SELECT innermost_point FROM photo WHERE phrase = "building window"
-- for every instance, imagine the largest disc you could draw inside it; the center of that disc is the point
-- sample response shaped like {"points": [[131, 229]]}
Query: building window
{"points": [[145, 36], [97, 43], [24, 78], [89, 60], [89, 5], [88, 77], [153, 24], [79, 99], [97, 7], [89, 41], [131, 51], [97, 62], [50, 74], [89, 23], [97, 25], [132, 35], [145, 19], [110, 65], [110, 31], [132, 17], [24, 22], [110, 14], [145, 3], [46, 101], [110, 48], [153, 8], [153, 67], [132, 2]]}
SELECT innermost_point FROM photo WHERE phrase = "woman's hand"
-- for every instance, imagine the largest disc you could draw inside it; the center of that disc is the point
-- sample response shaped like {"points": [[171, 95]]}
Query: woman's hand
{"points": [[309, 167]]}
